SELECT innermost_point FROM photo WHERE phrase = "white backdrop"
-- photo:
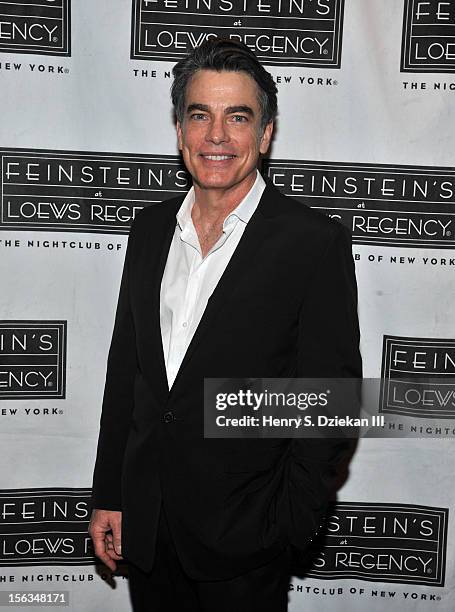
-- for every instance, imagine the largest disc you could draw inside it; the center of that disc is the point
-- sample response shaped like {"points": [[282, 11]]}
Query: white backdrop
{"points": [[84, 104]]}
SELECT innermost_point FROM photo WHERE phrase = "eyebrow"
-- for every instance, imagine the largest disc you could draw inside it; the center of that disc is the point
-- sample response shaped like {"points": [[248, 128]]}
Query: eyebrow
{"points": [[242, 108]]}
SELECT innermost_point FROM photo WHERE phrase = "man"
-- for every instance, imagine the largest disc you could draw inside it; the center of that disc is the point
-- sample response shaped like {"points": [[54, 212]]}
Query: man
{"points": [[234, 280]]}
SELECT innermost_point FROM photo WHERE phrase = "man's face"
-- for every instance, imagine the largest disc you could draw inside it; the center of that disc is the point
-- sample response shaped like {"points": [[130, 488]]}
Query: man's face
{"points": [[220, 137]]}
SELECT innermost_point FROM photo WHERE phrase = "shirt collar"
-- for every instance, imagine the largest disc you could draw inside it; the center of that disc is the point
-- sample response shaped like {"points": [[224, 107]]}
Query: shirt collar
{"points": [[243, 211]]}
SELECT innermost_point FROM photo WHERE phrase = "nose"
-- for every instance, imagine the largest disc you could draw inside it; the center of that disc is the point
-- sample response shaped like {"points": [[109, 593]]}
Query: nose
{"points": [[217, 132]]}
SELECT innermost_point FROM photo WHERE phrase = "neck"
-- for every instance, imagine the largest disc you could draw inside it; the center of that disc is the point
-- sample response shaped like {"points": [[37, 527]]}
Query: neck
{"points": [[211, 205]]}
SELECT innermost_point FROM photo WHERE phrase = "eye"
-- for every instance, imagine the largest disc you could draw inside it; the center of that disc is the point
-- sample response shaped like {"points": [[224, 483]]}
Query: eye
{"points": [[239, 118], [198, 116]]}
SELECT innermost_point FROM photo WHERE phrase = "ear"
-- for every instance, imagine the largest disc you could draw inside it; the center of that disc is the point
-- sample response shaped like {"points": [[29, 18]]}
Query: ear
{"points": [[266, 138], [178, 127]]}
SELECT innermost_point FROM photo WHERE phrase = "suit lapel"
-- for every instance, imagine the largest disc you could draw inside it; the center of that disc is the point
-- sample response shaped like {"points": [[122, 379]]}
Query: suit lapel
{"points": [[256, 234], [161, 238]]}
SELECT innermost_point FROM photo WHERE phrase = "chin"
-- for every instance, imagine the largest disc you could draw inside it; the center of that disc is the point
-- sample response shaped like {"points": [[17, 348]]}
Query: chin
{"points": [[214, 182], [214, 185]]}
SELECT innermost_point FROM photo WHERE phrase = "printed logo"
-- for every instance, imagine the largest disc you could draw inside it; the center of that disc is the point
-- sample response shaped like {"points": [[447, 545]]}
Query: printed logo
{"points": [[86, 192], [45, 527], [428, 43], [418, 377], [283, 32], [385, 543], [381, 205], [36, 26], [32, 359]]}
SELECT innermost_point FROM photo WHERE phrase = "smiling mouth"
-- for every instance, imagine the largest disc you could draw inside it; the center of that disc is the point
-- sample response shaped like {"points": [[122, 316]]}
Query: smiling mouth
{"points": [[217, 157]]}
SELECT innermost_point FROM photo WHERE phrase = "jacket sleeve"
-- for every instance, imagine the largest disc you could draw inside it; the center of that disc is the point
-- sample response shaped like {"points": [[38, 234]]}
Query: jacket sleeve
{"points": [[328, 348], [118, 399]]}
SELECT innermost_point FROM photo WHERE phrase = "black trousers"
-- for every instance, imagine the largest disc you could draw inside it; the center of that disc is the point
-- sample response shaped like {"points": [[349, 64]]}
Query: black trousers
{"points": [[167, 588]]}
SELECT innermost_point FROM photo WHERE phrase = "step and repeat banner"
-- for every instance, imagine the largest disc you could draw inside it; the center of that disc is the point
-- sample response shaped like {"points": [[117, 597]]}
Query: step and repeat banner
{"points": [[365, 134]]}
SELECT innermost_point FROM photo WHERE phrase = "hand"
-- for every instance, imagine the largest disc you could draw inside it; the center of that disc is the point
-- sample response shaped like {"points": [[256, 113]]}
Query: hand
{"points": [[108, 546]]}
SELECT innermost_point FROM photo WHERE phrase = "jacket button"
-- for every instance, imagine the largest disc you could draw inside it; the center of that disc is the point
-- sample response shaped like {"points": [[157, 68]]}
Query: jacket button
{"points": [[168, 417]]}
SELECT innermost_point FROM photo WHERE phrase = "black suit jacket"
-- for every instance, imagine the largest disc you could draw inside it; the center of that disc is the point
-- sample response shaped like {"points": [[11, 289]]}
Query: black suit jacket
{"points": [[286, 306]]}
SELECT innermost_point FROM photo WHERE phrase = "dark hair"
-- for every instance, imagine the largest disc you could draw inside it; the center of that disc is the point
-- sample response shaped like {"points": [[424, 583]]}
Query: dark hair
{"points": [[224, 54]]}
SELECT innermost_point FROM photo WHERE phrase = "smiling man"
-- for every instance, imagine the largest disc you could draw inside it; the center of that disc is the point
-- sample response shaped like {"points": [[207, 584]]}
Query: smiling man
{"points": [[233, 281], [221, 136]]}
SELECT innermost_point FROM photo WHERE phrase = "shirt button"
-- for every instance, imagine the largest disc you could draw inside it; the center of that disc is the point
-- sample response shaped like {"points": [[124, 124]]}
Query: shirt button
{"points": [[168, 417], [184, 324]]}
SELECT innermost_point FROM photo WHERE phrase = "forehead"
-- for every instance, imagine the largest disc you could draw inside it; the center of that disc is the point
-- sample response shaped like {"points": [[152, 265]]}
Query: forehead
{"points": [[228, 87]]}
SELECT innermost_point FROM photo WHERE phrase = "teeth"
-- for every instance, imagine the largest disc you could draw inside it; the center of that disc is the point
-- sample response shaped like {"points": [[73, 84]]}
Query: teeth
{"points": [[218, 157]]}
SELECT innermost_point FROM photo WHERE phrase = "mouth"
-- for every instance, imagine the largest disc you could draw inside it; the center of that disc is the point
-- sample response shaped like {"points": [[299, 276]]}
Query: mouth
{"points": [[219, 157]]}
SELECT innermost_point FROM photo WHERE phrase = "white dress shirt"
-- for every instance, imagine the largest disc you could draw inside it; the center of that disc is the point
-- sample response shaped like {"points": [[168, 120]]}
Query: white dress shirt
{"points": [[189, 279]]}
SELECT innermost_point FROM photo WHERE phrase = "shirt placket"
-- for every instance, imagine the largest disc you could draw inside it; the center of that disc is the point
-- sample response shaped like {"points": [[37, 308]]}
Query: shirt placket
{"points": [[191, 295], [183, 327]]}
